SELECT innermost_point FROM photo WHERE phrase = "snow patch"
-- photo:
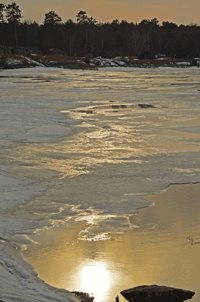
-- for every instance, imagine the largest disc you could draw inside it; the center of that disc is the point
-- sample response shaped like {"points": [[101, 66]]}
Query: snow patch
{"points": [[183, 63], [11, 61], [20, 285]]}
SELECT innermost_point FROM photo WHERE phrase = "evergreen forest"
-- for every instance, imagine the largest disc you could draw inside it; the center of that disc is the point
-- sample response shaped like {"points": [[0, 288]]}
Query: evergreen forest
{"points": [[87, 35]]}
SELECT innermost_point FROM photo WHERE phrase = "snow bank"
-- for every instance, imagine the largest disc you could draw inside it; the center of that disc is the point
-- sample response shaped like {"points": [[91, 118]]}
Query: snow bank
{"points": [[31, 61], [18, 284], [11, 61], [183, 63], [22, 61], [104, 62]]}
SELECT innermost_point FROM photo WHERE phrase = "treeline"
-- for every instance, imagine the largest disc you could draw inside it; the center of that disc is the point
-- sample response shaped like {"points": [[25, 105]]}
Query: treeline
{"points": [[86, 35]]}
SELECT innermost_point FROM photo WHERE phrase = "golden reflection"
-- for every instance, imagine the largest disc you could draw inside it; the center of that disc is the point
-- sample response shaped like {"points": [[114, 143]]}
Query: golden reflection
{"points": [[164, 250], [113, 137], [95, 280]]}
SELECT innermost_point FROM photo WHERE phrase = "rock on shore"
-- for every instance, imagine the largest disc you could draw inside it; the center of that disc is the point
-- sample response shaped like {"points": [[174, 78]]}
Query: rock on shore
{"points": [[155, 293]]}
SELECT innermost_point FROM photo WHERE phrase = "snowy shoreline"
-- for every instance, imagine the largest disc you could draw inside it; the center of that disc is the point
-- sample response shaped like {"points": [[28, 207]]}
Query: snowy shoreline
{"points": [[91, 67], [96, 63]]}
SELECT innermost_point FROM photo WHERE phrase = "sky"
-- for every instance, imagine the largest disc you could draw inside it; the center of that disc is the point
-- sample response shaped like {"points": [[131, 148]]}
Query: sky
{"points": [[178, 11]]}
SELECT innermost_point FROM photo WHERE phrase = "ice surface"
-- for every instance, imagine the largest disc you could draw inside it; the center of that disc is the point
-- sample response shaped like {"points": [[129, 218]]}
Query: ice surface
{"points": [[15, 191], [77, 144]]}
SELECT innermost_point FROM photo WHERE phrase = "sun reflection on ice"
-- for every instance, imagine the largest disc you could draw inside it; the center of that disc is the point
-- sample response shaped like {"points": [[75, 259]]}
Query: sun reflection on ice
{"points": [[95, 280]]}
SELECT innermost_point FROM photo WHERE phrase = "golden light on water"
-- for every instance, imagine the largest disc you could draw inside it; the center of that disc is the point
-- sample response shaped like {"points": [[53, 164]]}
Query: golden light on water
{"points": [[95, 280]]}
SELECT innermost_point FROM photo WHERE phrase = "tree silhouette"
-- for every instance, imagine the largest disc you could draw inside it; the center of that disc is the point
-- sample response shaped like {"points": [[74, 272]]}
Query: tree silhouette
{"points": [[189, 50], [50, 32], [13, 15], [86, 35], [2, 6], [154, 22], [116, 38], [82, 18], [140, 41], [52, 18], [177, 49]]}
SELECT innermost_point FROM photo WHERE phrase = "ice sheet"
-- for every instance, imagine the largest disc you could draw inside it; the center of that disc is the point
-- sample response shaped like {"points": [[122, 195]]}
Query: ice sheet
{"points": [[67, 152]]}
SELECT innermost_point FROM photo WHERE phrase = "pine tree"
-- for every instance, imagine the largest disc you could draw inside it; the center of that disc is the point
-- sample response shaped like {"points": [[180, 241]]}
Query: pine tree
{"points": [[13, 15], [52, 18]]}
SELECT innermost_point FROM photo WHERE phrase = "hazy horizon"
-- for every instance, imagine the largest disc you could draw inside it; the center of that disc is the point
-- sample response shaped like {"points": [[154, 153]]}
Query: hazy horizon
{"points": [[180, 12]]}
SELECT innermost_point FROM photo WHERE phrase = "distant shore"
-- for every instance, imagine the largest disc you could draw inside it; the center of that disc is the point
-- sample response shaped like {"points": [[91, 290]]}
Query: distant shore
{"points": [[68, 62]]}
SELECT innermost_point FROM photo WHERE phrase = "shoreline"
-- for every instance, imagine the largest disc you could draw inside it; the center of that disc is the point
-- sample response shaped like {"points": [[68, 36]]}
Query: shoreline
{"points": [[140, 66], [159, 251], [18, 61]]}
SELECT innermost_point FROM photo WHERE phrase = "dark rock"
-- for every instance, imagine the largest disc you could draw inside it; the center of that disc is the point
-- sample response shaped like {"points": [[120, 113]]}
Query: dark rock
{"points": [[155, 293], [118, 106], [146, 106], [86, 111], [84, 297], [115, 106], [147, 55], [194, 62]]}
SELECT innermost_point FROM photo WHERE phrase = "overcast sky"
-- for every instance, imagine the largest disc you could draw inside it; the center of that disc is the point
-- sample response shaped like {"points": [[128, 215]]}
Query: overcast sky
{"points": [[178, 11]]}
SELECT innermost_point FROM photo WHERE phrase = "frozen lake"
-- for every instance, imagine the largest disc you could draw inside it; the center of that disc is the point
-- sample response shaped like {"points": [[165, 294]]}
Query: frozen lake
{"points": [[88, 145]]}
